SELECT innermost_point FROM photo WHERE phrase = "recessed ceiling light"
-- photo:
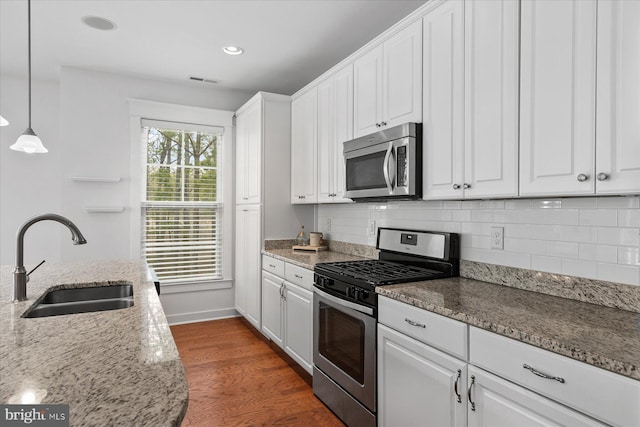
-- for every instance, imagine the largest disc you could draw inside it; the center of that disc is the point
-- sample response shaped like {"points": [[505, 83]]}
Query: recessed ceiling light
{"points": [[98, 23], [232, 50]]}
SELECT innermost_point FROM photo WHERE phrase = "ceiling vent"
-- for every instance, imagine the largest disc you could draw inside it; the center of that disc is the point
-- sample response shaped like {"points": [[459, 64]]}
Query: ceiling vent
{"points": [[202, 80]]}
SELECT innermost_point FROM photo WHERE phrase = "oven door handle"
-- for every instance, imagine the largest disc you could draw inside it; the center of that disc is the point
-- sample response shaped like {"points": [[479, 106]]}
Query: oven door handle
{"points": [[343, 303], [386, 168]]}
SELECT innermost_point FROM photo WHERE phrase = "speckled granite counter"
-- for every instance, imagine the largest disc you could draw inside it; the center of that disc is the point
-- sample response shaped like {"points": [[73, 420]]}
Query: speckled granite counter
{"points": [[118, 367], [605, 337], [309, 259]]}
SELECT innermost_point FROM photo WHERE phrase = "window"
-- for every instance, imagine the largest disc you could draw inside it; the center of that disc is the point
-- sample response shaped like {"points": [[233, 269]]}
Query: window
{"points": [[182, 205]]}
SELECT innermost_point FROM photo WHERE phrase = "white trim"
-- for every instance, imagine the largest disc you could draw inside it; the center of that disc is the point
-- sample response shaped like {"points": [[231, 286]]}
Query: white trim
{"points": [[202, 316], [142, 109], [180, 288]]}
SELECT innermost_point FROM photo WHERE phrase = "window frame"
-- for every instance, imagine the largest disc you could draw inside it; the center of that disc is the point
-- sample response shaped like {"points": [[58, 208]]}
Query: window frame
{"points": [[163, 112]]}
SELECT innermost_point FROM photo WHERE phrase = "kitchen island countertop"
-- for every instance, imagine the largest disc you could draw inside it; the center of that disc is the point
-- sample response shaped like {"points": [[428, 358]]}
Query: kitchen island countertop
{"points": [[117, 367]]}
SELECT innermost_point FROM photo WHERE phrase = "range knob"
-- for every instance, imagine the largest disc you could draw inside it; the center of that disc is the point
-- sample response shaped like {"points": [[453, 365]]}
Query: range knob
{"points": [[325, 282], [364, 295]]}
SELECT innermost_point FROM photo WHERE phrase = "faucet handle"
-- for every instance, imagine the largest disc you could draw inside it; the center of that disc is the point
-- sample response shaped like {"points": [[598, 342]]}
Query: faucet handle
{"points": [[34, 269]]}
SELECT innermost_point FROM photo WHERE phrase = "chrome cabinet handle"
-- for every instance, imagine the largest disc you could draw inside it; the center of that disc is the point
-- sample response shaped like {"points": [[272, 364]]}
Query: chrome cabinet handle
{"points": [[272, 266], [602, 176], [378, 125], [473, 404], [412, 323], [281, 285], [455, 386], [456, 186], [466, 186], [582, 177], [298, 276], [245, 198], [383, 123], [542, 375]]}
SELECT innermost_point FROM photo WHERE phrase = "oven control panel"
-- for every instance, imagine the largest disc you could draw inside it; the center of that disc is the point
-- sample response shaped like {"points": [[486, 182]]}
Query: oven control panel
{"points": [[345, 290]]}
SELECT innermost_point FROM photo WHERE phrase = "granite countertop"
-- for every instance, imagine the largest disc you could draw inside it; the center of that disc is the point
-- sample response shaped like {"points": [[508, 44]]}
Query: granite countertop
{"points": [[308, 260], [605, 337], [118, 367]]}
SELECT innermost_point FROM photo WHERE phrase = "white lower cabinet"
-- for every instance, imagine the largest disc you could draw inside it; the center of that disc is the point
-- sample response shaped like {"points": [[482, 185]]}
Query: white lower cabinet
{"points": [[417, 384], [494, 402], [502, 383], [287, 311]]}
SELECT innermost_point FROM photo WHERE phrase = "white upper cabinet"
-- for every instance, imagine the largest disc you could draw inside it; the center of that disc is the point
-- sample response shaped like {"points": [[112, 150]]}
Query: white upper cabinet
{"points": [[304, 138], [388, 82], [491, 99], [557, 108], [618, 93], [335, 125], [443, 102], [249, 153]]}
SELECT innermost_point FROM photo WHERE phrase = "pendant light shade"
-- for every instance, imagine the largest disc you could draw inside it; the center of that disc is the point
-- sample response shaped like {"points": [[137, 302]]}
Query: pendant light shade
{"points": [[29, 142], [3, 121]]}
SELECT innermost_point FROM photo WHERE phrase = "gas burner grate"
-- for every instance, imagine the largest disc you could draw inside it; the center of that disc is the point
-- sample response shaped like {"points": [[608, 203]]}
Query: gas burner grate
{"points": [[379, 272]]}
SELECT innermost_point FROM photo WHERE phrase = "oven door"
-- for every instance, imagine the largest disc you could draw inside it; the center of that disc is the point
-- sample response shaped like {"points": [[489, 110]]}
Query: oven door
{"points": [[382, 170], [344, 345]]}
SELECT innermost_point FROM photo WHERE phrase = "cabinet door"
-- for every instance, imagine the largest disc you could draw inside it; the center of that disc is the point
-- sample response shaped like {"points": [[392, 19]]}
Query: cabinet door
{"points": [[326, 142], [417, 383], [497, 402], [402, 77], [298, 326], [618, 114], [367, 89], [443, 102], [247, 278], [491, 98], [557, 105], [303, 148], [249, 154], [343, 110], [272, 287]]}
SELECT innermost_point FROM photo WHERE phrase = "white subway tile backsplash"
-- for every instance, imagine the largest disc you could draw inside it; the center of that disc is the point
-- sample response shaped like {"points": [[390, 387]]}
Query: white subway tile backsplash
{"points": [[546, 263], [619, 273], [602, 253], [525, 246], [628, 255], [561, 216], [599, 217], [631, 202], [629, 218], [562, 249], [573, 267], [594, 237]]}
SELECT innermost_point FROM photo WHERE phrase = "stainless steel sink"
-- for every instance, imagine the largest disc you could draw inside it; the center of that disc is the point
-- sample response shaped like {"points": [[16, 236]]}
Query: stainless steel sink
{"points": [[82, 300]]}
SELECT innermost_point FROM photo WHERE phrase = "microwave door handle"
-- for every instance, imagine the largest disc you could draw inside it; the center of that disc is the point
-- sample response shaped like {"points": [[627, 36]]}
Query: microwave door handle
{"points": [[386, 168]]}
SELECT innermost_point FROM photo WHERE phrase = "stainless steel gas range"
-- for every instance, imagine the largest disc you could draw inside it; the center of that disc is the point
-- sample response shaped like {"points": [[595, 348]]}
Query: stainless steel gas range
{"points": [[345, 315]]}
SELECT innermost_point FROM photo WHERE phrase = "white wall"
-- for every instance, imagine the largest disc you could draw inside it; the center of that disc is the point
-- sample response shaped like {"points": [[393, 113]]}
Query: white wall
{"points": [[592, 237], [30, 184], [84, 122]]}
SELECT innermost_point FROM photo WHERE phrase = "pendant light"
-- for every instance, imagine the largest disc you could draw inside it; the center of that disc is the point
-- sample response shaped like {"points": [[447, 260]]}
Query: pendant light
{"points": [[29, 142]]}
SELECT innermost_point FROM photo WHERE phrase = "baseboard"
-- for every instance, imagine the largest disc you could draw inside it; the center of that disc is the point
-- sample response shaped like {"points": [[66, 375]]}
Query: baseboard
{"points": [[201, 316]]}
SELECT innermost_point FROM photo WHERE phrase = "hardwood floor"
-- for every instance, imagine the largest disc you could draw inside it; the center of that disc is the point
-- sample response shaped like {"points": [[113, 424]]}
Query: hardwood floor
{"points": [[237, 379]]}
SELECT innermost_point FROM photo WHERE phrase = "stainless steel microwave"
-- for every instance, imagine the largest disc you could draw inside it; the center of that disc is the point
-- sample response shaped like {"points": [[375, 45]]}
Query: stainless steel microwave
{"points": [[385, 165]]}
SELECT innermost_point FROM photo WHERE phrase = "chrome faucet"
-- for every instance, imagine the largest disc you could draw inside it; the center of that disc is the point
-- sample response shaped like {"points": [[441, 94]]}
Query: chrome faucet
{"points": [[20, 276]]}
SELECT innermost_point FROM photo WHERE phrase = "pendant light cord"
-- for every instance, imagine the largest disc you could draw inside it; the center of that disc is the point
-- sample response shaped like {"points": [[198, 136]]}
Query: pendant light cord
{"points": [[29, 53]]}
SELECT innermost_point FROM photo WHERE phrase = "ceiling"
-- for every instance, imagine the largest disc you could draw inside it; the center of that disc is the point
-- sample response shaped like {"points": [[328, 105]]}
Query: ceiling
{"points": [[287, 43]]}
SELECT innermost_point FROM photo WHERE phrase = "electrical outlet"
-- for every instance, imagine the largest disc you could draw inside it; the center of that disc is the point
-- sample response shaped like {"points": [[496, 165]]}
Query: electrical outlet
{"points": [[327, 226], [497, 238], [371, 227]]}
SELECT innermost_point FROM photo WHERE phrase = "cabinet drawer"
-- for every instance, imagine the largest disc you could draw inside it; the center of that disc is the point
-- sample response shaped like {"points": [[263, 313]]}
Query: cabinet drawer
{"points": [[272, 265], [299, 276], [601, 394], [430, 328]]}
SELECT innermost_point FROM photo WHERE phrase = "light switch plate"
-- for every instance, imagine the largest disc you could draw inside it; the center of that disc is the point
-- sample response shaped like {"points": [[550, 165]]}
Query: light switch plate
{"points": [[497, 238]]}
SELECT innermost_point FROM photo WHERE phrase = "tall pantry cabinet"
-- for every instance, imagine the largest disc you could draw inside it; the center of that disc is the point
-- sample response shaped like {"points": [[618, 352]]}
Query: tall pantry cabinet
{"points": [[263, 209]]}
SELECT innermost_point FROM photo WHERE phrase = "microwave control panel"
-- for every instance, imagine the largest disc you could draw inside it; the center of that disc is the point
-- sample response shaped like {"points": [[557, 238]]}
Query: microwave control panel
{"points": [[401, 165]]}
